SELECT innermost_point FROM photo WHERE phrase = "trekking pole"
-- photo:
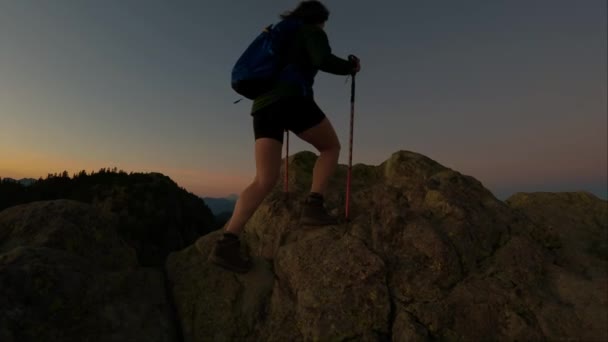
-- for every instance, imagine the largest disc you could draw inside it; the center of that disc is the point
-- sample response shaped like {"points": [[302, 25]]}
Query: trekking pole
{"points": [[286, 181], [350, 146]]}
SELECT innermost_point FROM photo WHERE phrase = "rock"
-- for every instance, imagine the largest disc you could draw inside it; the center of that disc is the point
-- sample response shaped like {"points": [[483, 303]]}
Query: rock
{"points": [[337, 285], [66, 225], [66, 276], [214, 304], [579, 221], [575, 228], [429, 254], [155, 216]]}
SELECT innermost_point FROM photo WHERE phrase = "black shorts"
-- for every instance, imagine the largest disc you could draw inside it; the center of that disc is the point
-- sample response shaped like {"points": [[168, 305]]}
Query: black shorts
{"points": [[296, 114]]}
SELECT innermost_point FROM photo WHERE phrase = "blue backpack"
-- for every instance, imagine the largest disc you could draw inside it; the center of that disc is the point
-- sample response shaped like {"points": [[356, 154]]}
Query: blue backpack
{"points": [[260, 66]]}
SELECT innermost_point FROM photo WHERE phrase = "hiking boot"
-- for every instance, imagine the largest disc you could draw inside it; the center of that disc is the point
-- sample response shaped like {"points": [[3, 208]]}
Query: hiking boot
{"points": [[227, 254], [314, 212]]}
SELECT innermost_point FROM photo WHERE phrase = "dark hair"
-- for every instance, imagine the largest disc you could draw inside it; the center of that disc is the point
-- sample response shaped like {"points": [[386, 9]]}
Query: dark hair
{"points": [[310, 12]]}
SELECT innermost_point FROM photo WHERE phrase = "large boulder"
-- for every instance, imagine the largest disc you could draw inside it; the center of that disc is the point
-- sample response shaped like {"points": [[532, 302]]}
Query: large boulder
{"points": [[429, 254], [154, 215], [576, 221], [577, 224], [217, 306], [65, 275]]}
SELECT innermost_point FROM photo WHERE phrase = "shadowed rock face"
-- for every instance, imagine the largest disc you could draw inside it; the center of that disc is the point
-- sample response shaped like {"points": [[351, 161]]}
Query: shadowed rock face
{"points": [[576, 227], [153, 214], [429, 254], [66, 276]]}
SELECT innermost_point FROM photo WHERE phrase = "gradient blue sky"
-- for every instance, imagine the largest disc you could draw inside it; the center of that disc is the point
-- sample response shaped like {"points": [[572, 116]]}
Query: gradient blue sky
{"points": [[510, 92]]}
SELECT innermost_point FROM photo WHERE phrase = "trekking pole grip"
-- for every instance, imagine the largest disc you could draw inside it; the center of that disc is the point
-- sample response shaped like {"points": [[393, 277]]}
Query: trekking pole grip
{"points": [[355, 61]]}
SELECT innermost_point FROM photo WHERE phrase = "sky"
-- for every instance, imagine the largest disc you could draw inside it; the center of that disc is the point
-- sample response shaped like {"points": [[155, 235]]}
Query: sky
{"points": [[512, 92]]}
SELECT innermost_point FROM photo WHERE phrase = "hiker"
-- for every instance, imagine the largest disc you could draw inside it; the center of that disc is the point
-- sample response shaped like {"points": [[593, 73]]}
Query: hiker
{"points": [[289, 105]]}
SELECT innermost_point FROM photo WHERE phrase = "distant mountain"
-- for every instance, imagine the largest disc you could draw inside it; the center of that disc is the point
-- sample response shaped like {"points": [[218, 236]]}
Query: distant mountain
{"points": [[27, 181], [221, 205], [23, 181]]}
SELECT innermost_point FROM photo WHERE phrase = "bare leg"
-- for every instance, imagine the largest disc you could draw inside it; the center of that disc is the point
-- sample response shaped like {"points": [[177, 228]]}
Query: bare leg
{"points": [[323, 137], [268, 165]]}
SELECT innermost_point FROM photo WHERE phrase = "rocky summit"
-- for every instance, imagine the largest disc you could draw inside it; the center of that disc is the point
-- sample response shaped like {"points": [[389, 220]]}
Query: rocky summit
{"points": [[429, 254]]}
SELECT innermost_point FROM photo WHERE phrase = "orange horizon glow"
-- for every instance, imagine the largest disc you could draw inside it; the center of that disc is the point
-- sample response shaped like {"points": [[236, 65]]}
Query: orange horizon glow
{"points": [[206, 183], [199, 182]]}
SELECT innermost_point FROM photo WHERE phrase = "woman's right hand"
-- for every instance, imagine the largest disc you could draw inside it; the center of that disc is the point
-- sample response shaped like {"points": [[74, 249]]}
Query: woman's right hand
{"points": [[356, 63]]}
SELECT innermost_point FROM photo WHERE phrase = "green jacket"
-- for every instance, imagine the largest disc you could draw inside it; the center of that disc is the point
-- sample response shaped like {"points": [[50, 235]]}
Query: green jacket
{"points": [[308, 53]]}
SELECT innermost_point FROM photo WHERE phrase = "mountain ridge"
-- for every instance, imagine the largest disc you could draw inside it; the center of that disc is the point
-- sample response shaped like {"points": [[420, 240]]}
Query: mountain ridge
{"points": [[221, 205]]}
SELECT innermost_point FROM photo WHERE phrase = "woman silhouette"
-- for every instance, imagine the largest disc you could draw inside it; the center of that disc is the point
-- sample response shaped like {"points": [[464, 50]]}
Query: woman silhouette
{"points": [[290, 106]]}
